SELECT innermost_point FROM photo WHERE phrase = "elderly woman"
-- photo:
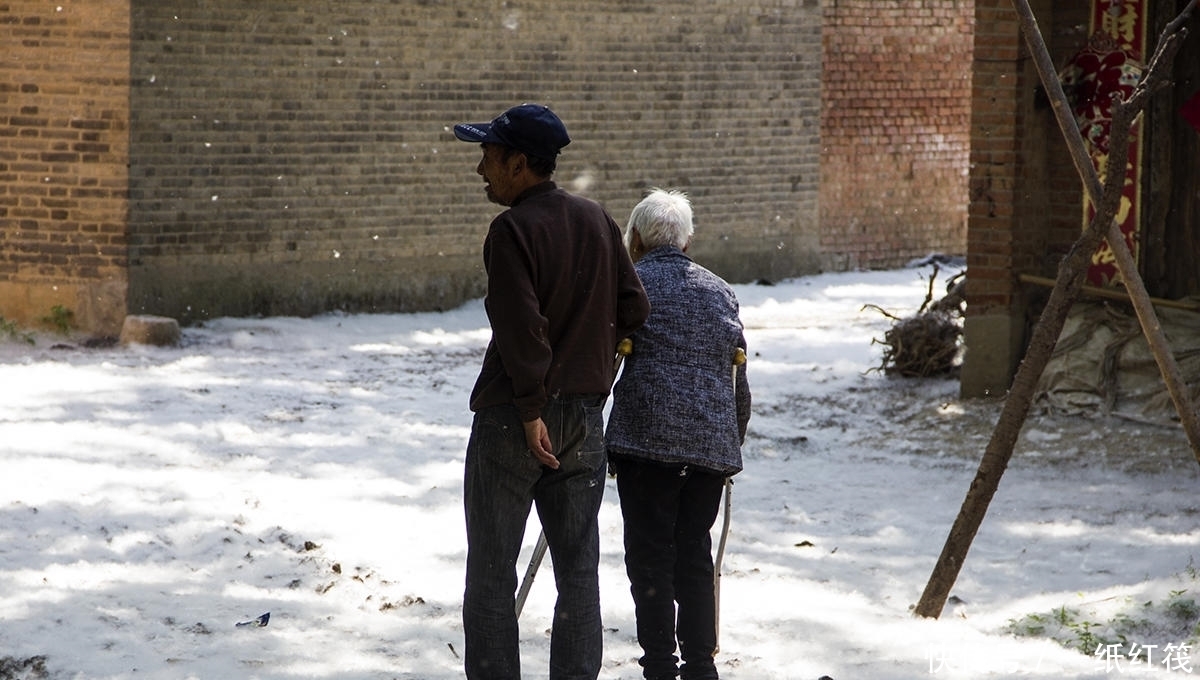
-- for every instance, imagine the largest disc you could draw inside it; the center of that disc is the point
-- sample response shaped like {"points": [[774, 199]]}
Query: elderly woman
{"points": [[674, 436]]}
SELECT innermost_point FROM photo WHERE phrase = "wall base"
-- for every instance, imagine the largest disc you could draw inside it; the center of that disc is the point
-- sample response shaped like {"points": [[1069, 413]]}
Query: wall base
{"points": [[994, 348]]}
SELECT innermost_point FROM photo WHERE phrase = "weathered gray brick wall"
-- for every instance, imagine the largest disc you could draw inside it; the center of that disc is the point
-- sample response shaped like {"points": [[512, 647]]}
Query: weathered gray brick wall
{"points": [[220, 157], [293, 157]]}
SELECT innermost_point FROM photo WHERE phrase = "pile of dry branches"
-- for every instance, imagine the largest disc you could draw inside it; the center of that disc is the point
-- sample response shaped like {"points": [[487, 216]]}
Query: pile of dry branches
{"points": [[927, 343]]}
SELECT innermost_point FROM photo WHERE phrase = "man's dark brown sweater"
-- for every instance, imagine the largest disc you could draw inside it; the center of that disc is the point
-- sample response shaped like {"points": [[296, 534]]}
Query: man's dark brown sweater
{"points": [[562, 291]]}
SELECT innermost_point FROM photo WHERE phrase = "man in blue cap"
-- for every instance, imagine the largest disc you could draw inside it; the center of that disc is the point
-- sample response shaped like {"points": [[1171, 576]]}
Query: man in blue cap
{"points": [[562, 291]]}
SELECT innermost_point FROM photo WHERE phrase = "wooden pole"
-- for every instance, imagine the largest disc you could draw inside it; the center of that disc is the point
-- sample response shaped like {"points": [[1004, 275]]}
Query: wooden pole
{"points": [[1124, 114], [1066, 289], [1112, 293]]}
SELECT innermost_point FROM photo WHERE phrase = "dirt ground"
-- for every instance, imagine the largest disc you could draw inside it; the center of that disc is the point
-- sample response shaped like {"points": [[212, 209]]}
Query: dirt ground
{"points": [[961, 428]]}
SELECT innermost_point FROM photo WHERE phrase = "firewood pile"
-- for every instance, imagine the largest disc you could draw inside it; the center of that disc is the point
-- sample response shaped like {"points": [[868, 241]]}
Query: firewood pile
{"points": [[927, 343]]}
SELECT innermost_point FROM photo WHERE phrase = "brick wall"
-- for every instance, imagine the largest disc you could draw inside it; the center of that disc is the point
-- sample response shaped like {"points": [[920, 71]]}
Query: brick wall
{"points": [[216, 157], [64, 112], [895, 111], [289, 158]]}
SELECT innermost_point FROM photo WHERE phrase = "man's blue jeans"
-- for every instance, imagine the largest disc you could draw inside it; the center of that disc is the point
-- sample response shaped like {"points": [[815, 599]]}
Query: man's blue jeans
{"points": [[502, 482]]}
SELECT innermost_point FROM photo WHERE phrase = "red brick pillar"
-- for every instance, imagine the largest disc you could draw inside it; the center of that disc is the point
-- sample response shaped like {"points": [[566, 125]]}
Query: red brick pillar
{"points": [[1024, 193], [1000, 171], [64, 158]]}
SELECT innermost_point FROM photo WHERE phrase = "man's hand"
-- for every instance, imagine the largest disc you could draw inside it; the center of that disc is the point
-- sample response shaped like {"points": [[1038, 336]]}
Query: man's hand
{"points": [[538, 440]]}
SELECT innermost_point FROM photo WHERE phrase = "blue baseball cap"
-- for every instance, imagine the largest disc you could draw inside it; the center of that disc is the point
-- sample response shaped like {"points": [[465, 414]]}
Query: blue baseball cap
{"points": [[532, 129]]}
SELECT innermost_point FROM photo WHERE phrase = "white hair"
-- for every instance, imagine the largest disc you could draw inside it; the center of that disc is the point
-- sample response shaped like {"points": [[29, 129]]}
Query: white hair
{"points": [[663, 218]]}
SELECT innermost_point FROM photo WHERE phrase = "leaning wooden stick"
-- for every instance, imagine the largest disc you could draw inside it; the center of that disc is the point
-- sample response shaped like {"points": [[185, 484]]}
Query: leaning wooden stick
{"points": [[1157, 77], [535, 562], [1071, 272], [1112, 293]]}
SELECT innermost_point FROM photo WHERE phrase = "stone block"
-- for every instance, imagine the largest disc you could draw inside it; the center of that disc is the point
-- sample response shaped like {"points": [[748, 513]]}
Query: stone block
{"points": [[150, 330]]}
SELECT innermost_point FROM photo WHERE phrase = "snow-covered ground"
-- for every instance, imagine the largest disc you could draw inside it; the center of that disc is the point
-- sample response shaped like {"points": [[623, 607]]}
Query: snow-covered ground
{"points": [[151, 499]]}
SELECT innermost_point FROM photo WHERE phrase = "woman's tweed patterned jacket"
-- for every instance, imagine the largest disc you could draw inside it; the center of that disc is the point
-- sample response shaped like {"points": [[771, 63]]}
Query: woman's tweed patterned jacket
{"points": [[675, 401]]}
